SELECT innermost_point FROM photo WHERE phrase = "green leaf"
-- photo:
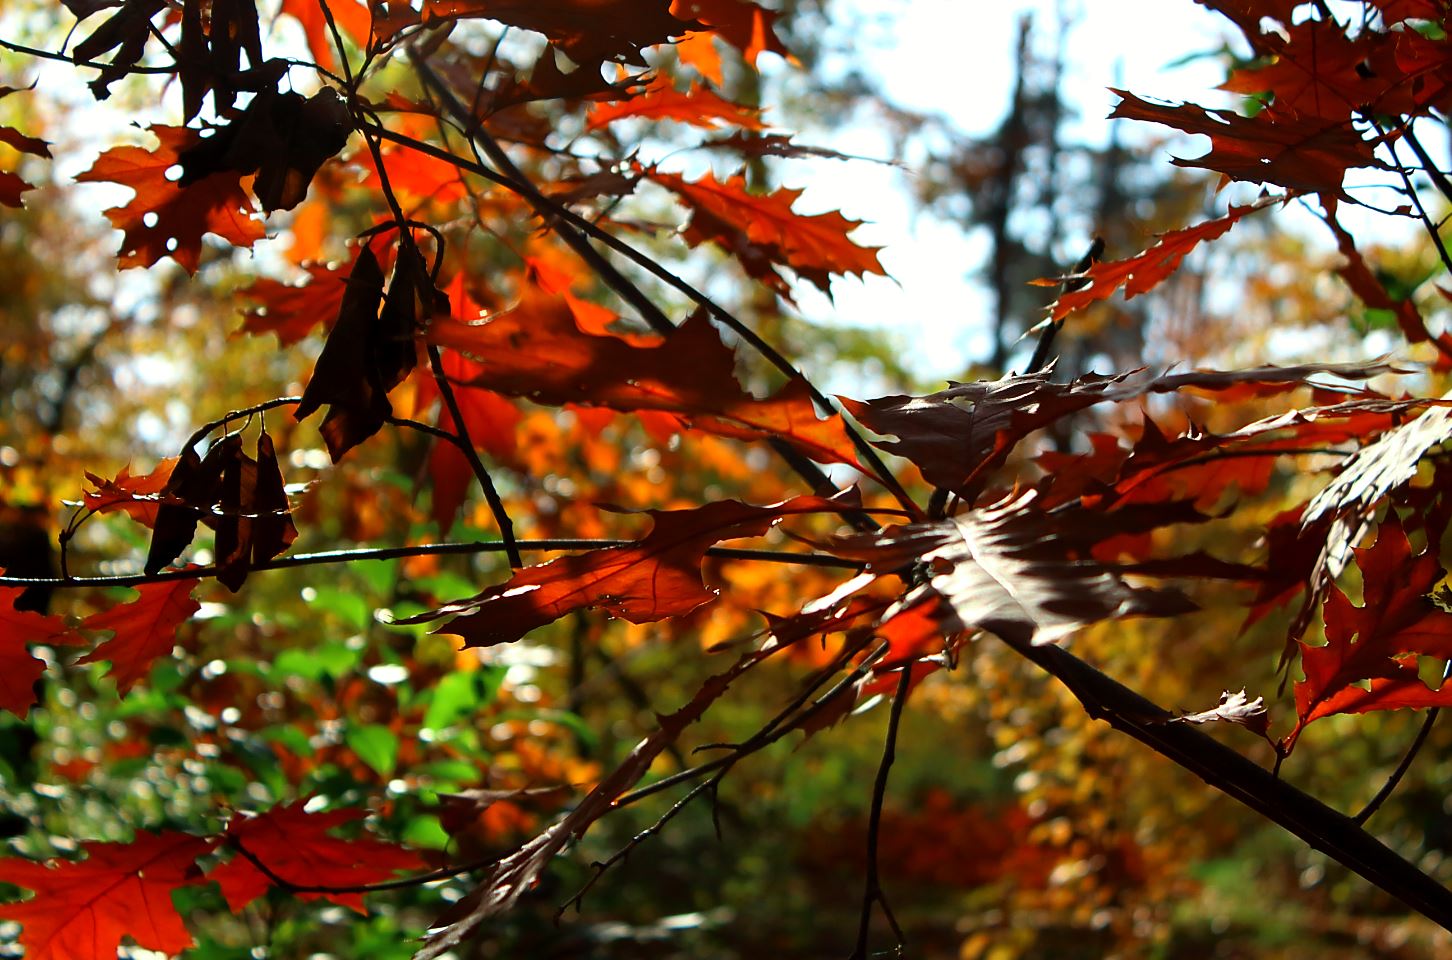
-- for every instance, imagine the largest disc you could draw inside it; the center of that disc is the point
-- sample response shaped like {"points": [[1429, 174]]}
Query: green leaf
{"points": [[330, 659], [461, 694], [376, 746], [343, 604]]}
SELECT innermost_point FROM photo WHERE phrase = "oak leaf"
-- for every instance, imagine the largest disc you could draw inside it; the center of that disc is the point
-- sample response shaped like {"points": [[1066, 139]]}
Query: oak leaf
{"points": [[1309, 154], [144, 629], [763, 232], [82, 908], [215, 204], [298, 847], [538, 350], [353, 18], [292, 311], [19, 668], [138, 496], [745, 25], [1379, 641], [658, 576], [698, 106], [589, 31]]}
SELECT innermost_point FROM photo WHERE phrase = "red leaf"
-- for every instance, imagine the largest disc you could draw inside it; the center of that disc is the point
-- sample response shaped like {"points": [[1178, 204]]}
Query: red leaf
{"points": [[216, 204], [1141, 273], [763, 233], [538, 350], [11, 186], [137, 496], [658, 577], [143, 629], [82, 908], [1299, 153], [19, 670], [296, 846], [292, 311], [1379, 640], [491, 421], [351, 16], [697, 106]]}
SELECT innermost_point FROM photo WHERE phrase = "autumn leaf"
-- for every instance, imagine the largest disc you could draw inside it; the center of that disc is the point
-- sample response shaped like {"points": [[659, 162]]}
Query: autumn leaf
{"points": [[82, 908], [538, 350], [11, 185], [1144, 272], [657, 577], [138, 496], [697, 106], [192, 490], [490, 420], [293, 311], [1378, 641], [763, 232], [299, 847], [1309, 154], [956, 436], [352, 17], [255, 523], [19, 668], [126, 31], [215, 204], [1004, 569], [745, 25], [143, 629]]}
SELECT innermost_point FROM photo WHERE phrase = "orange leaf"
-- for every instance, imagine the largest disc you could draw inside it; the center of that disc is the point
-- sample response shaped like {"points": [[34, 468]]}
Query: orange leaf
{"points": [[144, 629], [658, 577], [590, 31], [82, 908], [697, 106], [1139, 274], [352, 18], [741, 23], [215, 204], [137, 496], [763, 233], [296, 846], [19, 669]]}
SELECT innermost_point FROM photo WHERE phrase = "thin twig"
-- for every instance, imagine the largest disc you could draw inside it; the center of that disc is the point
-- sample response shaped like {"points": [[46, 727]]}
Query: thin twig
{"points": [[872, 892], [512, 178], [1401, 771], [466, 446], [419, 550]]}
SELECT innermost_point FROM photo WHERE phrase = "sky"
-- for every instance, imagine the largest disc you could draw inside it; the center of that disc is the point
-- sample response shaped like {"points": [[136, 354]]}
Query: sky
{"points": [[955, 58]]}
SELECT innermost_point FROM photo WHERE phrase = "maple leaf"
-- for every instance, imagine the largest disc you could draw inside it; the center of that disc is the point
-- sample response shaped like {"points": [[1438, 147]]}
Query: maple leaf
{"points": [[297, 846], [143, 629], [1144, 272], [19, 669], [659, 576], [763, 232], [1378, 641], [82, 908], [1004, 569], [698, 106], [590, 31], [292, 311], [1300, 153], [216, 204], [538, 350], [138, 496]]}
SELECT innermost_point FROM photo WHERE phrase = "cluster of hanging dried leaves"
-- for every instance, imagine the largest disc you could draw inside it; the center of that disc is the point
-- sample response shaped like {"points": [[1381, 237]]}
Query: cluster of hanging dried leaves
{"points": [[1020, 540]]}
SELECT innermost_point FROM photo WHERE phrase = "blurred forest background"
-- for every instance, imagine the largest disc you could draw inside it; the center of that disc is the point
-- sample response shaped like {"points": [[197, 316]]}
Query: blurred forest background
{"points": [[1015, 826]]}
